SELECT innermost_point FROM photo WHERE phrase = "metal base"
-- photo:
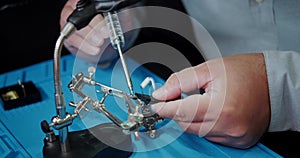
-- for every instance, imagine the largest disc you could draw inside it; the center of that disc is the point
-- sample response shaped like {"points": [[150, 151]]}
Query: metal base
{"points": [[85, 144]]}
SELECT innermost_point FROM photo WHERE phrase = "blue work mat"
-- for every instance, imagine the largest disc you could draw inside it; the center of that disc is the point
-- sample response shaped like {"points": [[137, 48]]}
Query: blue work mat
{"points": [[21, 135]]}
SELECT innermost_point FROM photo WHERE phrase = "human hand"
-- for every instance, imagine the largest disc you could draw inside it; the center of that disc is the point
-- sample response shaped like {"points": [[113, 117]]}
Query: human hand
{"points": [[235, 108], [86, 43]]}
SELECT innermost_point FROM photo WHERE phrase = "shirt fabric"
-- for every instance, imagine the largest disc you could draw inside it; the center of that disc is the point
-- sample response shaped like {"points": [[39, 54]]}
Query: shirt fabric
{"points": [[268, 26]]}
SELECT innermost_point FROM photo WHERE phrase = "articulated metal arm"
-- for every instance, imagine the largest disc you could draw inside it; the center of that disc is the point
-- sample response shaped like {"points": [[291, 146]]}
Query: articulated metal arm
{"points": [[80, 17], [139, 111]]}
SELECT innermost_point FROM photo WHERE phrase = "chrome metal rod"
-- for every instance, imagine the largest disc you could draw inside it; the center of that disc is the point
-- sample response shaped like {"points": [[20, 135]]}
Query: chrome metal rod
{"points": [[59, 97], [56, 64], [109, 115], [128, 79]]}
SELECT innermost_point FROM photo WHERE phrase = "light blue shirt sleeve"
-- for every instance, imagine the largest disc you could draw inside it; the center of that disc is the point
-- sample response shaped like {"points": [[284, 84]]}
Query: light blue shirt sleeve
{"points": [[255, 26], [283, 70]]}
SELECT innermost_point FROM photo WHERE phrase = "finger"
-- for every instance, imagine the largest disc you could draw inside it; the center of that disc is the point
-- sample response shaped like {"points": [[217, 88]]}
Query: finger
{"points": [[67, 10], [98, 24], [87, 37], [72, 3], [84, 46], [185, 81], [192, 108], [94, 32], [203, 128], [99, 30], [192, 127]]}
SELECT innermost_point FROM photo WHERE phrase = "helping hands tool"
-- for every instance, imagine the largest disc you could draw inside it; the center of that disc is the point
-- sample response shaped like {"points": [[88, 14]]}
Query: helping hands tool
{"points": [[139, 105]]}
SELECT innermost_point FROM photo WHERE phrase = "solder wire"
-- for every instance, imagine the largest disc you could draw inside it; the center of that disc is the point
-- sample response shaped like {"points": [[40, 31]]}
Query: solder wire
{"points": [[117, 41]]}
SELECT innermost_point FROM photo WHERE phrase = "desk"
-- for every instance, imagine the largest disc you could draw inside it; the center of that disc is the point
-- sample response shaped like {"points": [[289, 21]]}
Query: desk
{"points": [[21, 135]]}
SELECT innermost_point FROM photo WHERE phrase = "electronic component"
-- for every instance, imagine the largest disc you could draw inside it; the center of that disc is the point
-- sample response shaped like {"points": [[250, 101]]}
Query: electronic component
{"points": [[18, 95]]}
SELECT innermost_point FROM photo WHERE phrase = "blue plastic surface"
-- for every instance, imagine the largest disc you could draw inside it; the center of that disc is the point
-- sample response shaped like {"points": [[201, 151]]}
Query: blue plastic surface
{"points": [[21, 135], [9, 147]]}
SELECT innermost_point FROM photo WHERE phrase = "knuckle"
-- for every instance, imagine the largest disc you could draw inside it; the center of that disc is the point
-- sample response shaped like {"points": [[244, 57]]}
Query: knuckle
{"points": [[237, 132], [180, 116]]}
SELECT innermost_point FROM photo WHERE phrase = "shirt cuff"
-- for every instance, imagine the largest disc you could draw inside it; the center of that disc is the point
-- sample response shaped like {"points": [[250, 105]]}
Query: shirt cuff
{"points": [[283, 71]]}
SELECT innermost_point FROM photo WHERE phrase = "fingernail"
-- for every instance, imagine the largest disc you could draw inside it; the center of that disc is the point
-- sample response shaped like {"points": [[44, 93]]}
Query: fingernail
{"points": [[159, 93]]}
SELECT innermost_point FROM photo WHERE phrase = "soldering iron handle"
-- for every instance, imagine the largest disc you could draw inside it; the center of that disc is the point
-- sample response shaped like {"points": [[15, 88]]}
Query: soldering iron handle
{"points": [[86, 10], [103, 6]]}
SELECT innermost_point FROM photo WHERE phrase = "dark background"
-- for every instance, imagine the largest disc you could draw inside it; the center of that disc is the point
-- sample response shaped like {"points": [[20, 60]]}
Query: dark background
{"points": [[29, 30]]}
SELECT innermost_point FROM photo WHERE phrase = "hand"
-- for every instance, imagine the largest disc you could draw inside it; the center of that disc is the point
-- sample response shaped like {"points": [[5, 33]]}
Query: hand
{"points": [[235, 108], [86, 43]]}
